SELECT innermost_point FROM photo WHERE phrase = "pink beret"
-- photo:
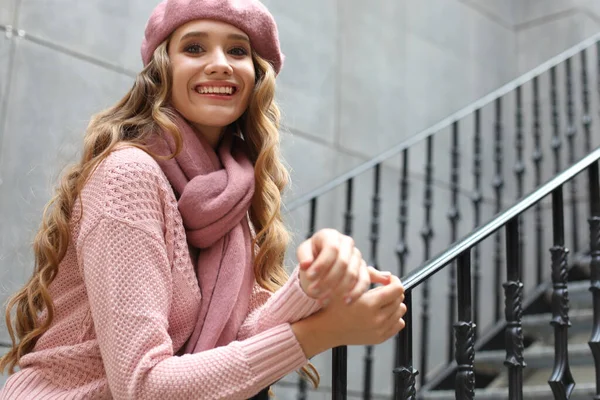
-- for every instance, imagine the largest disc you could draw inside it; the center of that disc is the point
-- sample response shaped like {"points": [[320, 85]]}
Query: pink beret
{"points": [[251, 16]]}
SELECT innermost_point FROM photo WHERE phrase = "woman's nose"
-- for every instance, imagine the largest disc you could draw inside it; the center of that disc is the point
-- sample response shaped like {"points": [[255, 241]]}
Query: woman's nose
{"points": [[218, 64]]}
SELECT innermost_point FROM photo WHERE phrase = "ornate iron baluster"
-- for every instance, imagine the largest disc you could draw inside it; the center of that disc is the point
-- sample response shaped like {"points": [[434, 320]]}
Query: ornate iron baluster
{"points": [[405, 376], [374, 238], [465, 331], [586, 119], [514, 312], [339, 365], [402, 247], [561, 381], [477, 199], [427, 235], [520, 165], [498, 183], [348, 216], [556, 139], [594, 222], [537, 159], [571, 132], [312, 220], [453, 217]]}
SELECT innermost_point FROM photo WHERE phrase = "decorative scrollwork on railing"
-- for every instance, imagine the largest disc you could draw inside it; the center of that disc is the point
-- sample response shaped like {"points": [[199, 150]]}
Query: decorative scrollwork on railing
{"points": [[514, 332], [561, 382], [407, 378], [465, 357]]}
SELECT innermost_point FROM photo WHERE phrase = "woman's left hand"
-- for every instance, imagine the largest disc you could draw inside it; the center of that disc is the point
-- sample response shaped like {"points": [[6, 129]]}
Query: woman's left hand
{"points": [[331, 265]]}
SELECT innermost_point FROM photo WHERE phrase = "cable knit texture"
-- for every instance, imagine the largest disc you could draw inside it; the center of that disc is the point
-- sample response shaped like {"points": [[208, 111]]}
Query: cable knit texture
{"points": [[127, 300]]}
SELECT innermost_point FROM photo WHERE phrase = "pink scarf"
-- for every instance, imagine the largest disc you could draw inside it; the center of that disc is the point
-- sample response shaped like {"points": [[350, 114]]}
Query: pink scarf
{"points": [[215, 192]]}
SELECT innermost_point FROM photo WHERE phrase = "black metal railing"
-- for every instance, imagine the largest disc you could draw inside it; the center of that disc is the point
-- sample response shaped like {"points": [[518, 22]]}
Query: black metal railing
{"points": [[515, 120], [561, 381]]}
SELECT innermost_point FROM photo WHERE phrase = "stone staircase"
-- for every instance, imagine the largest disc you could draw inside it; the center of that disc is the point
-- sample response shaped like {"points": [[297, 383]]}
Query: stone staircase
{"points": [[491, 374]]}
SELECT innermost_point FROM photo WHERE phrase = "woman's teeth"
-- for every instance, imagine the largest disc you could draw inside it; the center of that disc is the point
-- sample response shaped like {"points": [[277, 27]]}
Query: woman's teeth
{"points": [[215, 90]]}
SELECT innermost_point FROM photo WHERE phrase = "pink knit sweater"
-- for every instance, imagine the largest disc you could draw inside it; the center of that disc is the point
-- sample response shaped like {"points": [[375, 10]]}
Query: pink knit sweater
{"points": [[127, 298]]}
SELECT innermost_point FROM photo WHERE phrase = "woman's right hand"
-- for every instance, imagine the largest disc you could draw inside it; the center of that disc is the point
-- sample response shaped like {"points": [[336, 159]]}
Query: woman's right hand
{"points": [[373, 318]]}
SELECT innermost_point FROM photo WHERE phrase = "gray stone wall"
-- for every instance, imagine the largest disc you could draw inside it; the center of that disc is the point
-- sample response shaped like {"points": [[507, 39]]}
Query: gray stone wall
{"points": [[359, 77]]}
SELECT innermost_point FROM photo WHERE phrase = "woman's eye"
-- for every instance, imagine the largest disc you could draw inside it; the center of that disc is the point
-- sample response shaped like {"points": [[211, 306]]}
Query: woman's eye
{"points": [[238, 51], [193, 48]]}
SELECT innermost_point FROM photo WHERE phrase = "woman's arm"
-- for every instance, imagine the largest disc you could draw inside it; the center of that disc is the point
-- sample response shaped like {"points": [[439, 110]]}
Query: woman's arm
{"points": [[288, 305], [129, 284]]}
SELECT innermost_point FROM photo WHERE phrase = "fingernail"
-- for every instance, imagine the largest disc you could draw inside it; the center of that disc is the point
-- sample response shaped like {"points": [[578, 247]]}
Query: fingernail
{"points": [[316, 290], [312, 273], [324, 302], [386, 273], [348, 300]]}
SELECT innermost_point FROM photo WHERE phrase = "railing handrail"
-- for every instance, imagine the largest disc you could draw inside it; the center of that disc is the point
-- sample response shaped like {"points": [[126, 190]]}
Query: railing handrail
{"points": [[420, 274], [446, 122]]}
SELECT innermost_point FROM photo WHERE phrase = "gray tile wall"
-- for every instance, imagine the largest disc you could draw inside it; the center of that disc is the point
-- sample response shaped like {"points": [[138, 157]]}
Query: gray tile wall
{"points": [[358, 79], [7, 12]]}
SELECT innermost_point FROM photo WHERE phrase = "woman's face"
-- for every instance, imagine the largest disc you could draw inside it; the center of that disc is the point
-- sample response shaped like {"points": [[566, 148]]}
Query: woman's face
{"points": [[213, 75]]}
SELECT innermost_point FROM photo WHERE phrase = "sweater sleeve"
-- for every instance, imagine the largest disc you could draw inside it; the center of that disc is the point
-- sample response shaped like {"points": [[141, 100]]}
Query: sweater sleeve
{"points": [[129, 284], [287, 305]]}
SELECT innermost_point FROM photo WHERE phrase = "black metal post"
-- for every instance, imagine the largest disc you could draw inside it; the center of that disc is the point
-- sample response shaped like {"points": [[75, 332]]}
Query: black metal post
{"points": [[312, 222], [465, 332], [571, 133], [453, 217], [514, 312], [427, 235], [374, 238], [586, 118], [561, 381], [537, 160], [556, 139], [339, 365], [519, 168], [477, 199], [498, 184], [594, 222], [402, 247], [405, 375]]}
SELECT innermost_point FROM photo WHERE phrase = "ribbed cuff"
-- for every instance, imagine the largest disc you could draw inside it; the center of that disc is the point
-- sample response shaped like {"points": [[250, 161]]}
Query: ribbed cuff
{"points": [[273, 354], [291, 303]]}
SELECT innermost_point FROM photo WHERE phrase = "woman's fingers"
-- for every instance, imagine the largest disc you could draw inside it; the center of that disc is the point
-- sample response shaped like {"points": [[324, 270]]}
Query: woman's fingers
{"points": [[384, 295], [304, 254], [326, 246], [330, 263], [382, 277], [334, 274], [362, 284]]}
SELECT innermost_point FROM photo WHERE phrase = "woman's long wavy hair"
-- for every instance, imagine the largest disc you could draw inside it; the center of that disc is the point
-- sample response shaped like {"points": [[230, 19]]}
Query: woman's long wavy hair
{"points": [[142, 112]]}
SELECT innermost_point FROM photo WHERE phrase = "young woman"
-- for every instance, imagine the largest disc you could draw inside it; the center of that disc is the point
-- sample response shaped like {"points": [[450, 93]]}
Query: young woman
{"points": [[159, 262]]}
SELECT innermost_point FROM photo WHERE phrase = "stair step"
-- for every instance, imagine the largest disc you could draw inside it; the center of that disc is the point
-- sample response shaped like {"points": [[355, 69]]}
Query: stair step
{"points": [[539, 324], [582, 391], [535, 357]]}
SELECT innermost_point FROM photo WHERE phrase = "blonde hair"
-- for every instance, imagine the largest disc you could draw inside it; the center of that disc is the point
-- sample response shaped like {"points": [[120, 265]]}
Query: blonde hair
{"points": [[143, 111]]}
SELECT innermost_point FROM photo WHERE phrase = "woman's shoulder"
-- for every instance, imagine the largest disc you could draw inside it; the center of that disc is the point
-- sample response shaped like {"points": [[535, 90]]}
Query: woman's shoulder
{"points": [[125, 158], [131, 167], [128, 184]]}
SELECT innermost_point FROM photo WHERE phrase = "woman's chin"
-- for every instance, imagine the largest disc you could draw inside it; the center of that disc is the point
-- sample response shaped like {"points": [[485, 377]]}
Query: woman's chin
{"points": [[215, 120]]}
